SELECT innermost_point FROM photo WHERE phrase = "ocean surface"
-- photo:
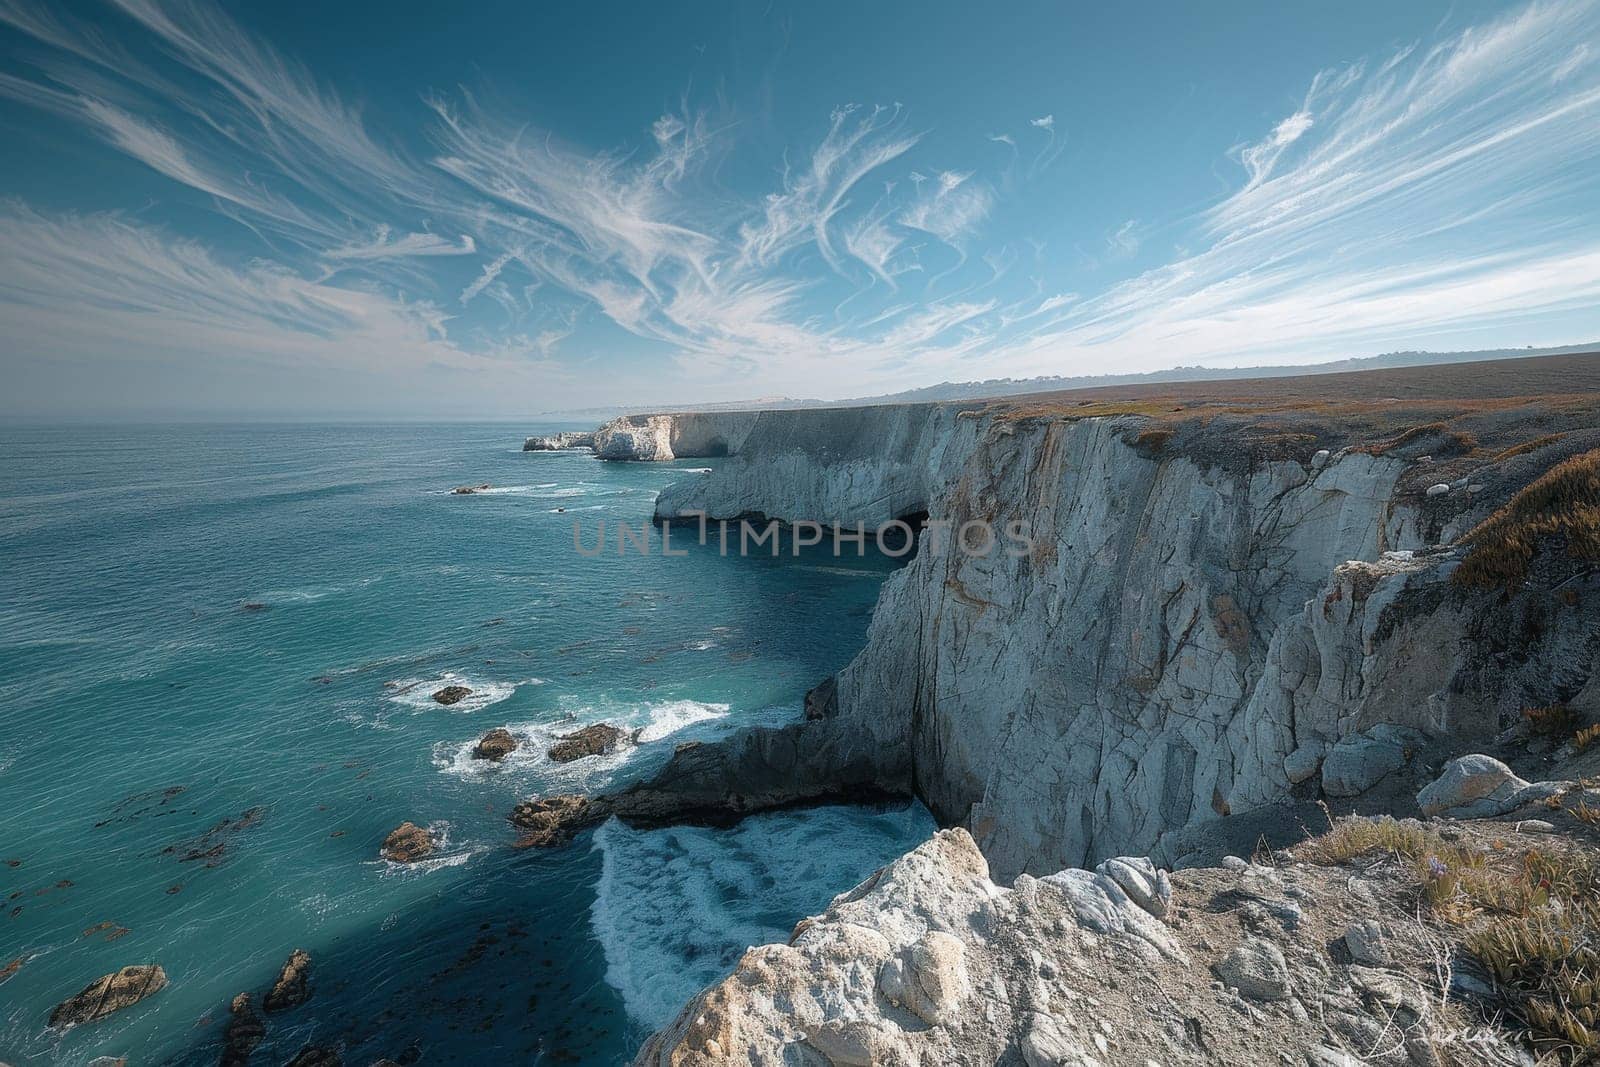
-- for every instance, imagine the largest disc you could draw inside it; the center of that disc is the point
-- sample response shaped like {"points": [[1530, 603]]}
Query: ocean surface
{"points": [[217, 649]]}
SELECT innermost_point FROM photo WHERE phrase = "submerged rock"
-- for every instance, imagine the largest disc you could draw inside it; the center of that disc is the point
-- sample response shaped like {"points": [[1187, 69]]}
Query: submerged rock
{"points": [[243, 1033], [293, 987], [451, 694], [316, 1056], [110, 993], [597, 740], [407, 843], [495, 745]]}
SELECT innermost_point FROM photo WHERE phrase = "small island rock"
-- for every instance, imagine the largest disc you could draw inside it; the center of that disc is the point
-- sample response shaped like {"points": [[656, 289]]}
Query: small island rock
{"points": [[495, 745], [596, 740], [110, 993], [407, 843]]}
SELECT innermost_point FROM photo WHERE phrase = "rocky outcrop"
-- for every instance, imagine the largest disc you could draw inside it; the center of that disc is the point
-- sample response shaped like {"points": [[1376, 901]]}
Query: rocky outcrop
{"points": [[686, 435], [596, 740], [406, 843], [495, 745], [930, 961], [451, 694], [244, 1032], [468, 490], [293, 987], [109, 993], [557, 442]]}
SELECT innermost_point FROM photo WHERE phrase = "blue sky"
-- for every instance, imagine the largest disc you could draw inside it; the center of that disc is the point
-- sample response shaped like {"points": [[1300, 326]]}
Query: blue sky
{"points": [[499, 208]]}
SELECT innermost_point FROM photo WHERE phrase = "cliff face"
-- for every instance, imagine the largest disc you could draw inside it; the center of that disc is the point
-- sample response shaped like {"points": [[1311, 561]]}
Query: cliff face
{"points": [[1189, 637], [689, 435]]}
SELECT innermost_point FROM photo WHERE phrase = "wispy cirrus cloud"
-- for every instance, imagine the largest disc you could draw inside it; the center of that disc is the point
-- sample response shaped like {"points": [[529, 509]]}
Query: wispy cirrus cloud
{"points": [[1439, 187]]}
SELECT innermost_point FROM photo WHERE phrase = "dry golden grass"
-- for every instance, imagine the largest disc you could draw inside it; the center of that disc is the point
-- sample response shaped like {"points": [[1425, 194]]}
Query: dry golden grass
{"points": [[1528, 446], [1564, 501], [1531, 918], [1586, 737]]}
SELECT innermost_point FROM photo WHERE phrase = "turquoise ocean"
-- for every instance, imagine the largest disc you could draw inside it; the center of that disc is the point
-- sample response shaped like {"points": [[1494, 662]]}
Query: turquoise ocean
{"points": [[217, 645]]}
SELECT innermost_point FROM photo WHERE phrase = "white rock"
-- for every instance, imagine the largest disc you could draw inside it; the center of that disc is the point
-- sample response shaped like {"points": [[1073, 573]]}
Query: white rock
{"points": [[1466, 779], [1439, 489], [1146, 885]]}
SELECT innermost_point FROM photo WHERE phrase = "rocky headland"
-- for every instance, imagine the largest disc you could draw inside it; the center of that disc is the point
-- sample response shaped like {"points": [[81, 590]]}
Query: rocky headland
{"points": [[1241, 607]]}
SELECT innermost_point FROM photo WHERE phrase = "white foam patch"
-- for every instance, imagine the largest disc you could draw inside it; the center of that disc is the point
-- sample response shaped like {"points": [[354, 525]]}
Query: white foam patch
{"points": [[676, 907], [514, 490], [417, 693], [647, 725]]}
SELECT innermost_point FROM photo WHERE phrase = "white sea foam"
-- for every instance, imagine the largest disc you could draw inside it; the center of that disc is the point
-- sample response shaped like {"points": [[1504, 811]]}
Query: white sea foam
{"points": [[515, 490], [676, 907], [646, 725], [417, 693]]}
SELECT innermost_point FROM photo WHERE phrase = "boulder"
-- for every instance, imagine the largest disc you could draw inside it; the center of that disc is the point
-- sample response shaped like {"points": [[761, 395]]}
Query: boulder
{"points": [[1361, 761], [1304, 762], [468, 490], [243, 1032], [1466, 779], [597, 740], [293, 987], [110, 993], [1257, 969], [407, 843], [1439, 489], [316, 1056], [451, 694], [496, 745], [1146, 885]]}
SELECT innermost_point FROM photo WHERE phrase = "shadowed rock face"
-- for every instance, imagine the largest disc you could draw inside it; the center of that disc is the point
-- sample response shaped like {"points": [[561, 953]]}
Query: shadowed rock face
{"points": [[244, 1032], [110, 993]]}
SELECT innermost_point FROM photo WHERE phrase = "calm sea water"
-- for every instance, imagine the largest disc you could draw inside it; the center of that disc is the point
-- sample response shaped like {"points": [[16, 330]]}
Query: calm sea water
{"points": [[188, 781]]}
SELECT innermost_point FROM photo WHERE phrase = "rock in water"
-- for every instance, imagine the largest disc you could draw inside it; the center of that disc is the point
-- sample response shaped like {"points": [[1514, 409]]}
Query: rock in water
{"points": [[110, 993], [316, 1056], [596, 740], [549, 821], [497, 744], [468, 490], [407, 843], [451, 694], [293, 987], [244, 1032]]}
